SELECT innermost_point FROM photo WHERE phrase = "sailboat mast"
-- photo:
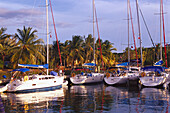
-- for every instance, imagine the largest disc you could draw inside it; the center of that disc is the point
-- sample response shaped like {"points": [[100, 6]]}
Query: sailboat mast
{"points": [[164, 33], [128, 31], [93, 34], [137, 8], [160, 31], [47, 33]]}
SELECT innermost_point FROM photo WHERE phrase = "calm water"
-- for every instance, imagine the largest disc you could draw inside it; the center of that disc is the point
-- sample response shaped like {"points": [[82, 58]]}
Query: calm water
{"points": [[90, 98]]}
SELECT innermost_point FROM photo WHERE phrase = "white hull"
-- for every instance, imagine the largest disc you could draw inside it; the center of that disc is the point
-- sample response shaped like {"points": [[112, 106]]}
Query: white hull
{"points": [[133, 76], [150, 81], [116, 80], [81, 79], [36, 83]]}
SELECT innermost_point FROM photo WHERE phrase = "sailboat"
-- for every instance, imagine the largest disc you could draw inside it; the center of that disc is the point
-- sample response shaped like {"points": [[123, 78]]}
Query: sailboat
{"points": [[154, 76], [23, 82], [88, 72], [117, 75]]}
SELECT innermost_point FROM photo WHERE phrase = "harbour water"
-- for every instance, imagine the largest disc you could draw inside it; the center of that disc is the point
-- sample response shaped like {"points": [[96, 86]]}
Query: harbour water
{"points": [[95, 98]]}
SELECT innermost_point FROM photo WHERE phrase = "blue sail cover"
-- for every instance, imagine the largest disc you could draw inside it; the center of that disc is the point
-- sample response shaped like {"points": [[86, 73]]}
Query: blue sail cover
{"points": [[154, 68], [159, 63], [123, 64], [21, 69], [89, 64], [34, 66]]}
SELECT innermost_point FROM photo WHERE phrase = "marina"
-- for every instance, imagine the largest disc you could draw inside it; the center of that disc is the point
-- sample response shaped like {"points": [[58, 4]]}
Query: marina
{"points": [[89, 98], [88, 56]]}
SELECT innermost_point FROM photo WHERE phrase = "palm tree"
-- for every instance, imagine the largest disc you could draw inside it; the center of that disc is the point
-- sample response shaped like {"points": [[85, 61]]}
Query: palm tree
{"points": [[5, 44], [88, 48], [28, 49], [108, 56], [75, 50]]}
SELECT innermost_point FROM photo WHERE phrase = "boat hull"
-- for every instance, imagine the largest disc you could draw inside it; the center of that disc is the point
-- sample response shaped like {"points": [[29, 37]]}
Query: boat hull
{"points": [[149, 81], [41, 83], [116, 80], [80, 79]]}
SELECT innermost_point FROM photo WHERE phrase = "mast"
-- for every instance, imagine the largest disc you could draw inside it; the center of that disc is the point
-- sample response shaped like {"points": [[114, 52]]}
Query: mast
{"points": [[128, 31], [137, 8], [93, 35], [47, 34], [56, 34], [164, 34], [160, 31], [133, 33], [99, 37]]}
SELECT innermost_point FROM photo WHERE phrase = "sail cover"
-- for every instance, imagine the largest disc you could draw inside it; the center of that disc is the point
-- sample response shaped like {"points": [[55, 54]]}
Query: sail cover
{"points": [[159, 63], [21, 69], [89, 64], [34, 66], [123, 64]]}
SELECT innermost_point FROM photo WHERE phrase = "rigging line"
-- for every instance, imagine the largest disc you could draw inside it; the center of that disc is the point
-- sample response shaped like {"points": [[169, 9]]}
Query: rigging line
{"points": [[55, 33], [99, 37], [32, 12], [164, 33], [137, 8], [146, 27], [133, 32]]}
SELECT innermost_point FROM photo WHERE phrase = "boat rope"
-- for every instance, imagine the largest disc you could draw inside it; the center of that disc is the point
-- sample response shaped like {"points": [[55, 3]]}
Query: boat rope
{"points": [[55, 32], [99, 37], [133, 32], [164, 32]]}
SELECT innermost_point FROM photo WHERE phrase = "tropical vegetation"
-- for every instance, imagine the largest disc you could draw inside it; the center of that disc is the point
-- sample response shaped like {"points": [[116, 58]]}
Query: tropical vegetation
{"points": [[25, 47]]}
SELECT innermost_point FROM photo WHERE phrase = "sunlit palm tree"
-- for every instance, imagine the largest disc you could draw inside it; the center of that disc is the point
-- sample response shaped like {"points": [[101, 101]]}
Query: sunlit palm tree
{"points": [[88, 49], [5, 44], [75, 50], [28, 47], [108, 56]]}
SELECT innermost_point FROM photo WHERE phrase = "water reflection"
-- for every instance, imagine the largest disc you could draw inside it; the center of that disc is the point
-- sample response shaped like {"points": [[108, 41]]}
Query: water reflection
{"points": [[153, 99], [90, 98], [33, 101], [86, 98]]}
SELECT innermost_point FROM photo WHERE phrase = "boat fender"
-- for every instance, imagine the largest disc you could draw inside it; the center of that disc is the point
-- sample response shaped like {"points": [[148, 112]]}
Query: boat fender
{"points": [[143, 74], [107, 75], [25, 78], [73, 74]]}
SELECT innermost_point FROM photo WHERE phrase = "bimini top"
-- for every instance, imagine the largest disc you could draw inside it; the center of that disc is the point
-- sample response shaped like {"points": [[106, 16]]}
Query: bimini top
{"points": [[154, 68], [123, 64], [89, 64], [21, 69], [34, 66]]}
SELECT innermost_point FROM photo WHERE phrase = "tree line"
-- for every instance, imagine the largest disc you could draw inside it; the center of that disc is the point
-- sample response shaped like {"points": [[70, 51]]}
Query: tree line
{"points": [[25, 47]]}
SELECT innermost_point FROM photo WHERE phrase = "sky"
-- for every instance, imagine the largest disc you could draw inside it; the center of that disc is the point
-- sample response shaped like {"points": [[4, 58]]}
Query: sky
{"points": [[74, 17]]}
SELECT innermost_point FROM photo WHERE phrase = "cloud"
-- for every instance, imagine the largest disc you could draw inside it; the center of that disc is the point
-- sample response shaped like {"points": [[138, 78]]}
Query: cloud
{"points": [[7, 14]]}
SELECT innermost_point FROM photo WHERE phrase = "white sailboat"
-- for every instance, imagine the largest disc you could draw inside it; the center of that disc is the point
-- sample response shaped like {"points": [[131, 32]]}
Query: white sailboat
{"points": [[23, 82], [90, 76], [153, 76], [116, 76], [86, 75]]}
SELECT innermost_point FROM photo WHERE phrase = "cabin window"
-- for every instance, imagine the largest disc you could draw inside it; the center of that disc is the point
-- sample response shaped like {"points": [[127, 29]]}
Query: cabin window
{"points": [[33, 84], [54, 81], [30, 78]]}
